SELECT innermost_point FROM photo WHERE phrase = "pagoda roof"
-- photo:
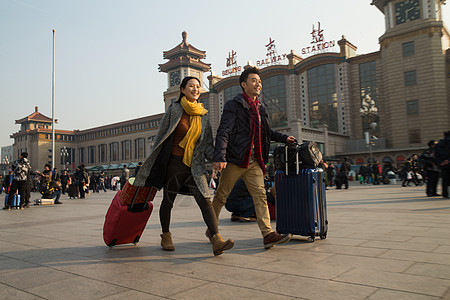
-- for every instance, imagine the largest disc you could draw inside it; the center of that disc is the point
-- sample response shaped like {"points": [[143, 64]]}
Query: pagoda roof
{"points": [[184, 48], [36, 116], [184, 61]]}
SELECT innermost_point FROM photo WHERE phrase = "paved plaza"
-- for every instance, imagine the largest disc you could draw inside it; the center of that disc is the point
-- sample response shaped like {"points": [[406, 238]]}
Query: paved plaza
{"points": [[384, 242]]}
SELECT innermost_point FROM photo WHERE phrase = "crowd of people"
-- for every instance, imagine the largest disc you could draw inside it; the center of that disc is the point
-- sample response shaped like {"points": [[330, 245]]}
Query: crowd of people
{"points": [[22, 180]]}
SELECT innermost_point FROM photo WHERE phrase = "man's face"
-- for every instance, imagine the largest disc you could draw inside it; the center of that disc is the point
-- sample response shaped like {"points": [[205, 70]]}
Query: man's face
{"points": [[252, 87]]}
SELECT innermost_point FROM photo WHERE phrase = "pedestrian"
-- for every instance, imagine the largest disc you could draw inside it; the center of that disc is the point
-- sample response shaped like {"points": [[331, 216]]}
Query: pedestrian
{"points": [[364, 173], [81, 177], [50, 184], [101, 181], [442, 155], [55, 175], [7, 182], [125, 176], [64, 181], [344, 169], [183, 142], [138, 167], [28, 187], [93, 182], [331, 172], [376, 171], [242, 150], [429, 164], [20, 171]]}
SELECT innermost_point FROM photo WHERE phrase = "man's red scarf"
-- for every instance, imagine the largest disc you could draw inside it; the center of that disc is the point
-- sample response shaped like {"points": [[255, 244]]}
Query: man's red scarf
{"points": [[255, 134]]}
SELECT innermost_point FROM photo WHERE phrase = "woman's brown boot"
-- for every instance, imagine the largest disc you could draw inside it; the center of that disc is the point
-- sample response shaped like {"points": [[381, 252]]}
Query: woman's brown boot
{"points": [[219, 245], [166, 241]]}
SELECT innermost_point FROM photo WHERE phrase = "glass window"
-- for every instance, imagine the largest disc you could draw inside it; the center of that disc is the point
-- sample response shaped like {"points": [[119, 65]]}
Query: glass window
{"points": [[139, 148], [274, 96], [114, 151], [408, 48], [412, 108], [414, 136], [102, 153], [323, 97], [410, 78], [81, 155], [231, 92], [91, 154], [126, 150]]}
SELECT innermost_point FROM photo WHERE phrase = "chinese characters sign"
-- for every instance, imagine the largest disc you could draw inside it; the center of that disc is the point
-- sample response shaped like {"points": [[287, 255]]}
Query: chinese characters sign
{"points": [[317, 41]]}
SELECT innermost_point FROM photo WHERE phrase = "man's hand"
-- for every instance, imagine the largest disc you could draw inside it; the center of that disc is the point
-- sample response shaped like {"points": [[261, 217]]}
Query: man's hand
{"points": [[218, 166], [445, 162], [290, 139]]}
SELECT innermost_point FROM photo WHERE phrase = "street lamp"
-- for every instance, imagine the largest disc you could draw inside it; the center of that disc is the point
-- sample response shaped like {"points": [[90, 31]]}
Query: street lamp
{"points": [[369, 112], [65, 156]]}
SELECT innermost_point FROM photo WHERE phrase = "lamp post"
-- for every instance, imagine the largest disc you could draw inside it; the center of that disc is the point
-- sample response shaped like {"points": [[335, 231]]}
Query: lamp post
{"points": [[369, 112], [65, 156]]}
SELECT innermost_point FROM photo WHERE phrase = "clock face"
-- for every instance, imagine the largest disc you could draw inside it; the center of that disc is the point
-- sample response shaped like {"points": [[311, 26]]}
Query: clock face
{"points": [[407, 10], [175, 78]]}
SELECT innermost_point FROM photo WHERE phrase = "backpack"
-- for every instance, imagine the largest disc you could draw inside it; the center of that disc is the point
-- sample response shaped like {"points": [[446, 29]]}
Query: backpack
{"points": [[21, 168]]}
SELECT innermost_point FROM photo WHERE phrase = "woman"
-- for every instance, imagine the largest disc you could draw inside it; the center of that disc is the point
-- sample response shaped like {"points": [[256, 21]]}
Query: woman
{"points": [[177, 162]]}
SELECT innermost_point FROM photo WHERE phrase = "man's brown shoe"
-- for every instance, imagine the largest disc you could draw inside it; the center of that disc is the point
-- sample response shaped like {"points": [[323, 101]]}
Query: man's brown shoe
{"points": [[275, 238]]}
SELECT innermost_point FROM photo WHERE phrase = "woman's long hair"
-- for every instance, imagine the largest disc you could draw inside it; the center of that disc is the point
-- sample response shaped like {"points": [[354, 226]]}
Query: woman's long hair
{"points": [[183, 85]]}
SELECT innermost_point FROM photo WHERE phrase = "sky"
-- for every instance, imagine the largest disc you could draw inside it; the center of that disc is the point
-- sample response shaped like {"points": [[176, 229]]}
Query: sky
{"points": [[108, 51]]}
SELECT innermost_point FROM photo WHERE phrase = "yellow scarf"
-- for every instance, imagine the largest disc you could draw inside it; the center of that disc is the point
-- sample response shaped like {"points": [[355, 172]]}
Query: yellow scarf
{"points": [[195, 110]]}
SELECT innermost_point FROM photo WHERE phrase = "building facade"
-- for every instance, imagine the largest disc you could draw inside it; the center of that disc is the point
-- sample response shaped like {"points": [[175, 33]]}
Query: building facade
{"points": [[317, 98]]}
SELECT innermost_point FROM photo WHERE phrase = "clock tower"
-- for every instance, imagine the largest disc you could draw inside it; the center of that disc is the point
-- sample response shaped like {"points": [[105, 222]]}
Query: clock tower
{"points": [[184, 60], [415, 101]]}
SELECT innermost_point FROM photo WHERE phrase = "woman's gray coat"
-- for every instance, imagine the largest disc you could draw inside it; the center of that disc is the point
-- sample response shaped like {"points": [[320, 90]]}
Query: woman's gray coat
{"points": [[203, 149]]}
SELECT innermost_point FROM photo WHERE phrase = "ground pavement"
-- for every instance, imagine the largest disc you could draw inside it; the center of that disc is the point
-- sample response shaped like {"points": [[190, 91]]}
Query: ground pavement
{"points": [[384, 242]]}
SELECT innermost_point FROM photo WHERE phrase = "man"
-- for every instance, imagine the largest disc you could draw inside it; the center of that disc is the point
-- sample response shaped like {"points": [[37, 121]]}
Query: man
{"points": [[81, 177], [343, 174], [242, 150], [20, 172], [428, 161], [443, 159], [101, 181], [125, 176], [138, 167], [50, 188], [55, 175]]}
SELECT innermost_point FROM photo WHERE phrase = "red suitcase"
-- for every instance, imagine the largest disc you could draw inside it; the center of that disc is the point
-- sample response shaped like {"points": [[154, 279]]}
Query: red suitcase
{"points": [[125, 223]]}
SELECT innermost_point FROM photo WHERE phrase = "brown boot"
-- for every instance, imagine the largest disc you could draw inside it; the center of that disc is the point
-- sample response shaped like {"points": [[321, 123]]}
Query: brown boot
{"points": [[219, 245], [166, 241]]}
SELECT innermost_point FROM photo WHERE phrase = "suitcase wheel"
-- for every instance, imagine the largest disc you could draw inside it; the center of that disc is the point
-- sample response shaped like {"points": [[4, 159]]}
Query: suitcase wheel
{"points": [[136, 239], [112, 244], [310, 239], [323, 236]]}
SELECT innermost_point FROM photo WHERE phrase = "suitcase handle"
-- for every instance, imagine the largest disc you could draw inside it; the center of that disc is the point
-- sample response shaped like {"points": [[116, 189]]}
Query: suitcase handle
{"points": [[139, 207]]}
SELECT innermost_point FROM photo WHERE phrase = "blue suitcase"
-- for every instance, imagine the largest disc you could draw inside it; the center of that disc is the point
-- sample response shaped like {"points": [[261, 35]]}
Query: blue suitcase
{"points": [[15, 203], [301, 203]]}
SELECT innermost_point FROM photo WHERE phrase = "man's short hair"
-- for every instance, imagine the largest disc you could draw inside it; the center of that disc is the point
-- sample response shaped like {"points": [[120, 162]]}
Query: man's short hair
{"points": [[447, 133], [48, 165], [431, 143], [24, 154], [248, 71]]}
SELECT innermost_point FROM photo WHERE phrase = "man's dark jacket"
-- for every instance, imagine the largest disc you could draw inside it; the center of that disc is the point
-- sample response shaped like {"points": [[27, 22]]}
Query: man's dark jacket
{"points": [[233, 134], [442, 152]]}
